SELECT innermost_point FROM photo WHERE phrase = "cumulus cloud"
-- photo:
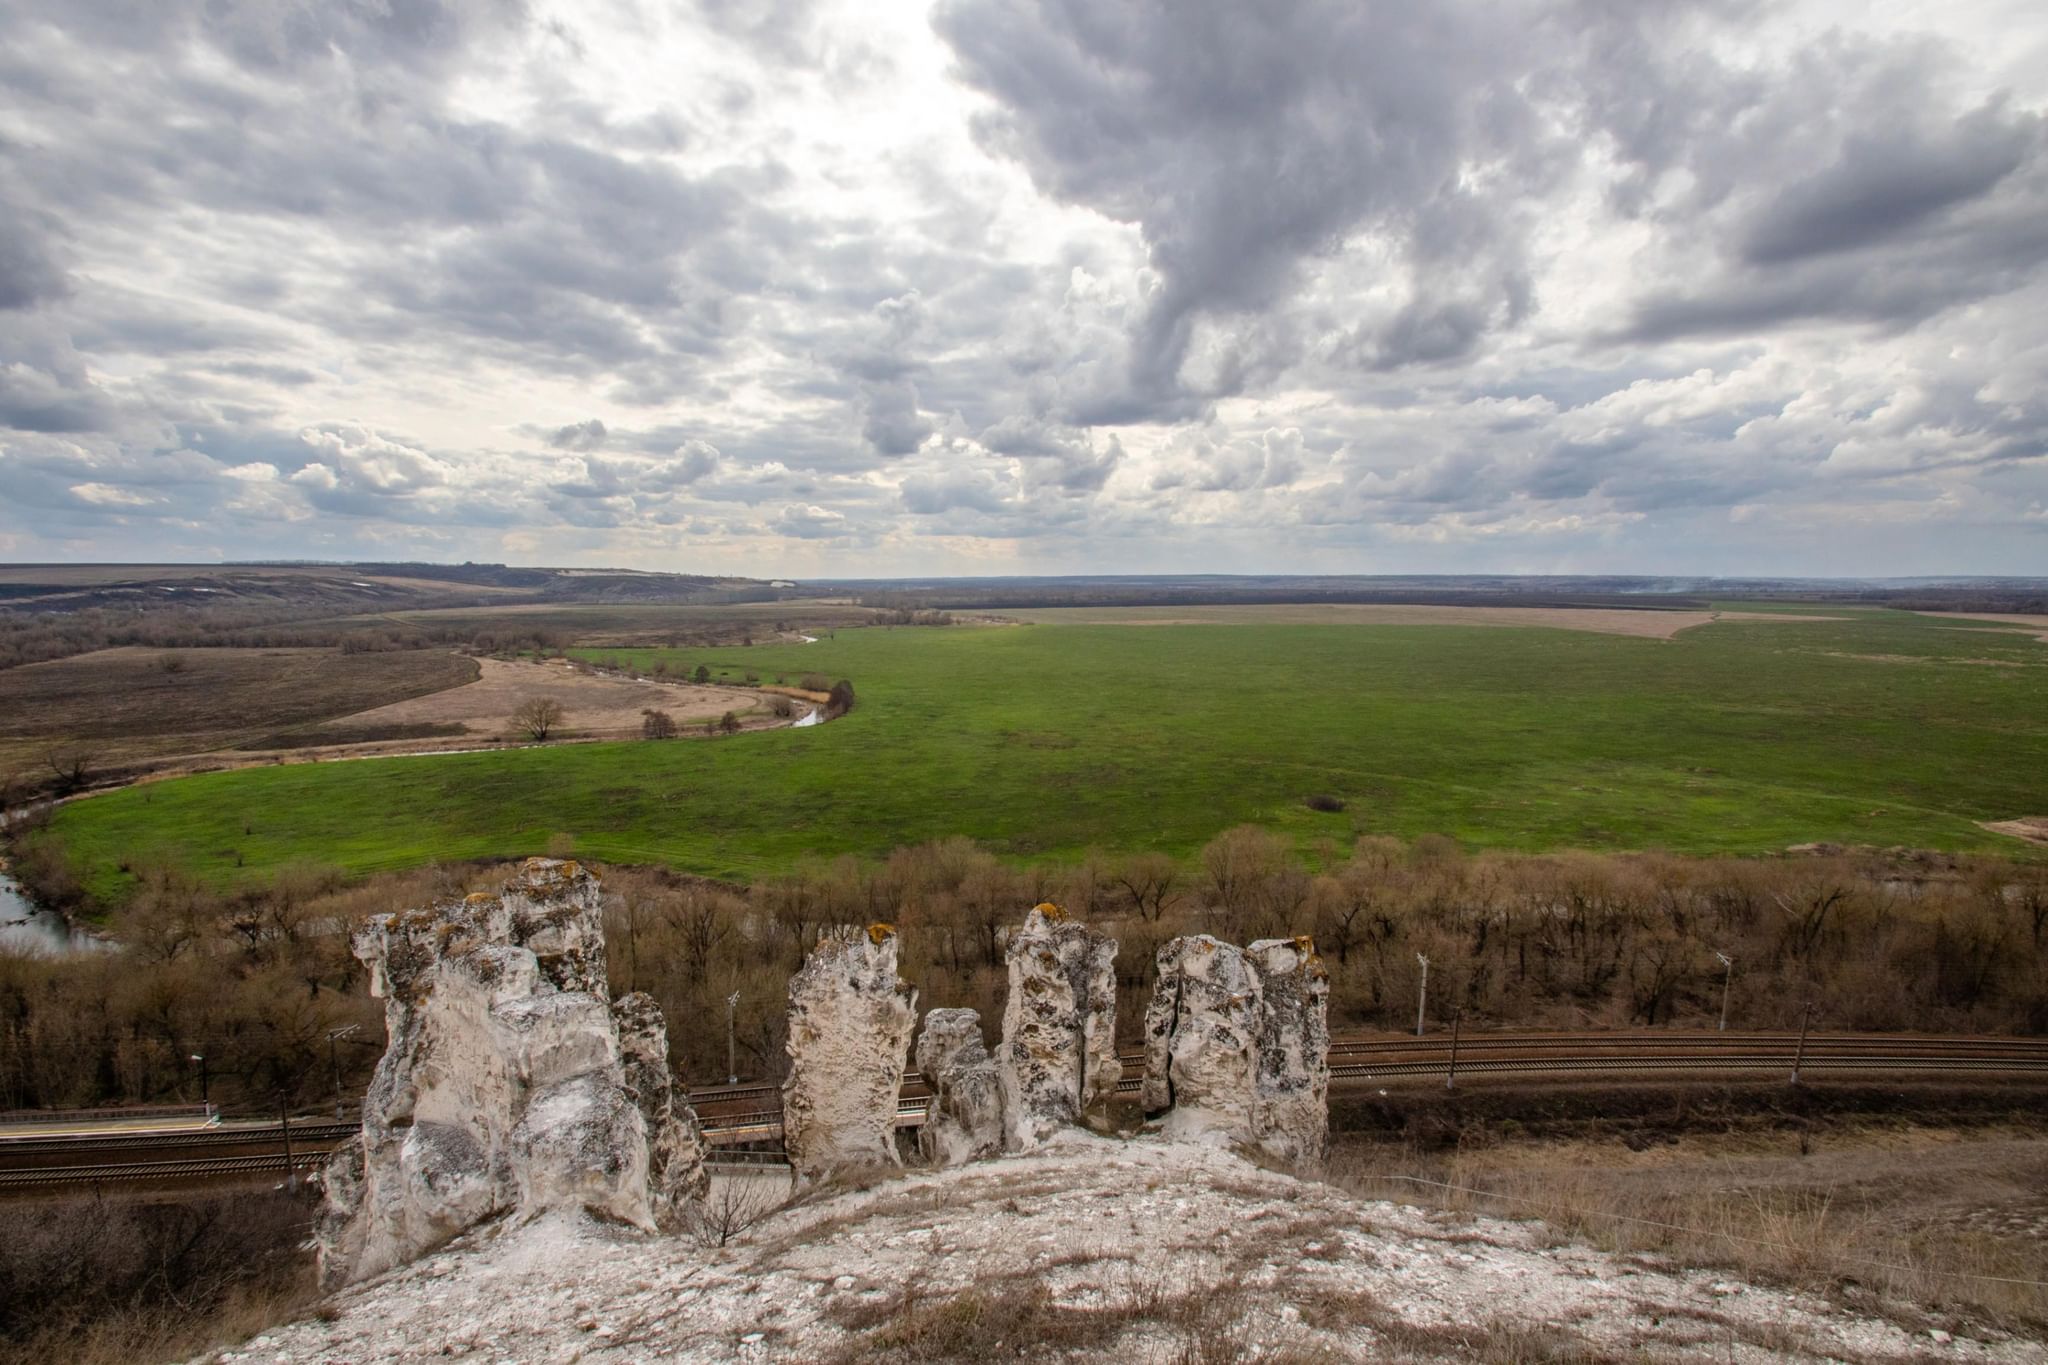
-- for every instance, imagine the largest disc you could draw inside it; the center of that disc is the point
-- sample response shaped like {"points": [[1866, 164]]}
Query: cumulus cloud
{"points": [[1027, 284]]}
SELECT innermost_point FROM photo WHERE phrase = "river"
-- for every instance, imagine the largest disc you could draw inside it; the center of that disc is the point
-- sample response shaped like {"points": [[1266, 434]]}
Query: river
{"points": [[39, 933]]}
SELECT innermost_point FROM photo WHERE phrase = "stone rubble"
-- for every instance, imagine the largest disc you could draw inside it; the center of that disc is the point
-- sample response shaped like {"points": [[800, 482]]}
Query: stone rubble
{"points": [[850, 1021], [1057, 1064], [1237, 1046], [965, 1118], [503, 1086]]}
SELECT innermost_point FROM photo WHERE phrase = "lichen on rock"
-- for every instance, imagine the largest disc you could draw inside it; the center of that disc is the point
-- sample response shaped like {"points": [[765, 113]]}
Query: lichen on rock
{"points": [[964, 1120], [1057, 1064], [1237, 1045], [503, 1086], [850, 1020]]}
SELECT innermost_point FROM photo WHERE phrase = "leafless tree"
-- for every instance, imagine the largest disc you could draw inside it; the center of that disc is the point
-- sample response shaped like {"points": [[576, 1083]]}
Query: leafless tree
{"points": [[539, 717], [657, 725]]}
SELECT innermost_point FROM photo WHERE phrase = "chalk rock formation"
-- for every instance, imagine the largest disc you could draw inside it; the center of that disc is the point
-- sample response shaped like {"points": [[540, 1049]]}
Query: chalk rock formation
{"points": [[965, 1119], [1237, 1045], [850, 1020], [675, 1144], [502, 1087], [1201, 1039], [1057, 1063]]}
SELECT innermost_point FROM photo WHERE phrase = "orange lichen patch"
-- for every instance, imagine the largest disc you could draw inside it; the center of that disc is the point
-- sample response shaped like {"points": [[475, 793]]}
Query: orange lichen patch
{"points": [[1305, 944], [880, 933], [1052, 912], [476, 897]]}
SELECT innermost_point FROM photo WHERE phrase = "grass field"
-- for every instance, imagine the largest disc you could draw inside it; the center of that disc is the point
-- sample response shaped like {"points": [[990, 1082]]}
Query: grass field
{"points": [[1048, 739]]}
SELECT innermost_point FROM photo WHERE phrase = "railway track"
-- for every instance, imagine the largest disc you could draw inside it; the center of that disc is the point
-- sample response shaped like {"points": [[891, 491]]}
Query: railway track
{"points": [[734, 1116]]}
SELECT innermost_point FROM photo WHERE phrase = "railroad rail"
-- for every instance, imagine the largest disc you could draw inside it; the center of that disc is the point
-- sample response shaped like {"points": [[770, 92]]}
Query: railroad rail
{"points": [[736, 1117]]}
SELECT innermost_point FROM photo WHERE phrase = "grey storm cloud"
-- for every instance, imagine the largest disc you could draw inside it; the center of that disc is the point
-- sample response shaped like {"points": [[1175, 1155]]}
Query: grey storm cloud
{"points": [[578, 436], [1497, 283]]}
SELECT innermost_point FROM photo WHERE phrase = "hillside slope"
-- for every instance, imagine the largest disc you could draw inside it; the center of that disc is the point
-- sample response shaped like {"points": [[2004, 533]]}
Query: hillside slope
{"points": [[1090, 1249]]}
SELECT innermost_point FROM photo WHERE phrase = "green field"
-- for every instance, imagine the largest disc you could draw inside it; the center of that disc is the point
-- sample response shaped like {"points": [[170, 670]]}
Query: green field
{"points": [[1046, 740]]}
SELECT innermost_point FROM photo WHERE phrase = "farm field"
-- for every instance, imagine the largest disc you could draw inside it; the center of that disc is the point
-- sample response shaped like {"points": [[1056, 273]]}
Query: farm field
{"points": [[127, 704], [1046, 740]]}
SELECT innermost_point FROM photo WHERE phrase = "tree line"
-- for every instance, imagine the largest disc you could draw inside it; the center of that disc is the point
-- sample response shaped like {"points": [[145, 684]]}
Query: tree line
{"points": [[255, 980]]}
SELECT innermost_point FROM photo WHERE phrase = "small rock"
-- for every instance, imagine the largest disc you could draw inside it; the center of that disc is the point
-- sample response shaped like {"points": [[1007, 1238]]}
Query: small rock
{"points": [[753, 1338], [844, 1282], [1938, 1336]]}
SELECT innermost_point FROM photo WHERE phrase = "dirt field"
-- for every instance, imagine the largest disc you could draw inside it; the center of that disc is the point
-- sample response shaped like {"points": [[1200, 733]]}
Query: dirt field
{"points": [[1653, 625], [2032, 828], [597, 707], [125, 705]]}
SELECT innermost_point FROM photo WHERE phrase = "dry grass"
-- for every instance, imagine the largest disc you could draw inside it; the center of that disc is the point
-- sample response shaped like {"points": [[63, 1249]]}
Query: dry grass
{"points": [[597, 706], [1922, 1225]]}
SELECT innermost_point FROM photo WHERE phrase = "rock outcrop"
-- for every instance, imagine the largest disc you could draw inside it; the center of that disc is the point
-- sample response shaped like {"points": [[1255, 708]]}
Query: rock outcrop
{"points": [[675, 1144], [503, 1086], [1292, 1119], [1057, 1064], [965, 1118], [1237, 1045], [850, 1020]]}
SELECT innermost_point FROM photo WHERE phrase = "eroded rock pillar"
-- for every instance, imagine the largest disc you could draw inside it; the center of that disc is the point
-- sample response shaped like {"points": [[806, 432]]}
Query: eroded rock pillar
{"points": [[1057, 1064], [850, 1021], [675, 1144], [1237, 1045], [965, 1118], [501, 1087]]}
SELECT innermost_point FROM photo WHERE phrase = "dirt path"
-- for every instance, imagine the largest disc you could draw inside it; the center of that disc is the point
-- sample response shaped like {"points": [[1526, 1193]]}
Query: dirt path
{"points": [[2038, 623]]}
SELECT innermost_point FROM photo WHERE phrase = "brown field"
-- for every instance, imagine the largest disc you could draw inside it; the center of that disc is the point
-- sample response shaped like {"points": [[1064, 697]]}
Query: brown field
{"points": [[1653, 625], [2032, 828], [127, 705], [597, 706]]}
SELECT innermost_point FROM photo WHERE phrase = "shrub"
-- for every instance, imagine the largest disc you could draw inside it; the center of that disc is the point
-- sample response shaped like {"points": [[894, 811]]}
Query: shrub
{"points": [[1325, 802]]}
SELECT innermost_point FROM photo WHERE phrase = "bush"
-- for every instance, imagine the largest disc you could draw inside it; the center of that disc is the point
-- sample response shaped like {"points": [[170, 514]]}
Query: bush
{"points": [[1325, 802], [840, 700], [702, 675], [816, 682], [781, 707], [729, 723]]}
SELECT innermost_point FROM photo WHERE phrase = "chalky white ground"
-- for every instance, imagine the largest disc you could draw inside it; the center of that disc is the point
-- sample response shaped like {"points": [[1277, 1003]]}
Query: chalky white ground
{"points": [[1098, 1223]]}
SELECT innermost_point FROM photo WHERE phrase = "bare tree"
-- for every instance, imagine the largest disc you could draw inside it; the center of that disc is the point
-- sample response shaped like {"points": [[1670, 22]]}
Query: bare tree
{"points": [[73, 765], [538, 717], [729, 723], [657, 725]]}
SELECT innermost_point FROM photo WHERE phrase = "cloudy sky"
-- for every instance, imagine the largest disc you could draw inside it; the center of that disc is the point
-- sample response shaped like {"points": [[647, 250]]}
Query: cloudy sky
{"points": [[994, 286]]}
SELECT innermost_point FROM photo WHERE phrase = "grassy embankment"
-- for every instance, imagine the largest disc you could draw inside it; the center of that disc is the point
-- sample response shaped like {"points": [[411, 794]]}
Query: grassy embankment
{"points": [[1045, 740]]}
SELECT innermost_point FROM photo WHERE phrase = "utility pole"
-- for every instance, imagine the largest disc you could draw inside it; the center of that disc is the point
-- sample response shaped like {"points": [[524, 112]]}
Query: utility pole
{"points": [[732, 1066], [1799, 1057], [1421, 993], [334, 1036], [1727, 980], [1451, 1076], [204, 1098], [284, 1126]]}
